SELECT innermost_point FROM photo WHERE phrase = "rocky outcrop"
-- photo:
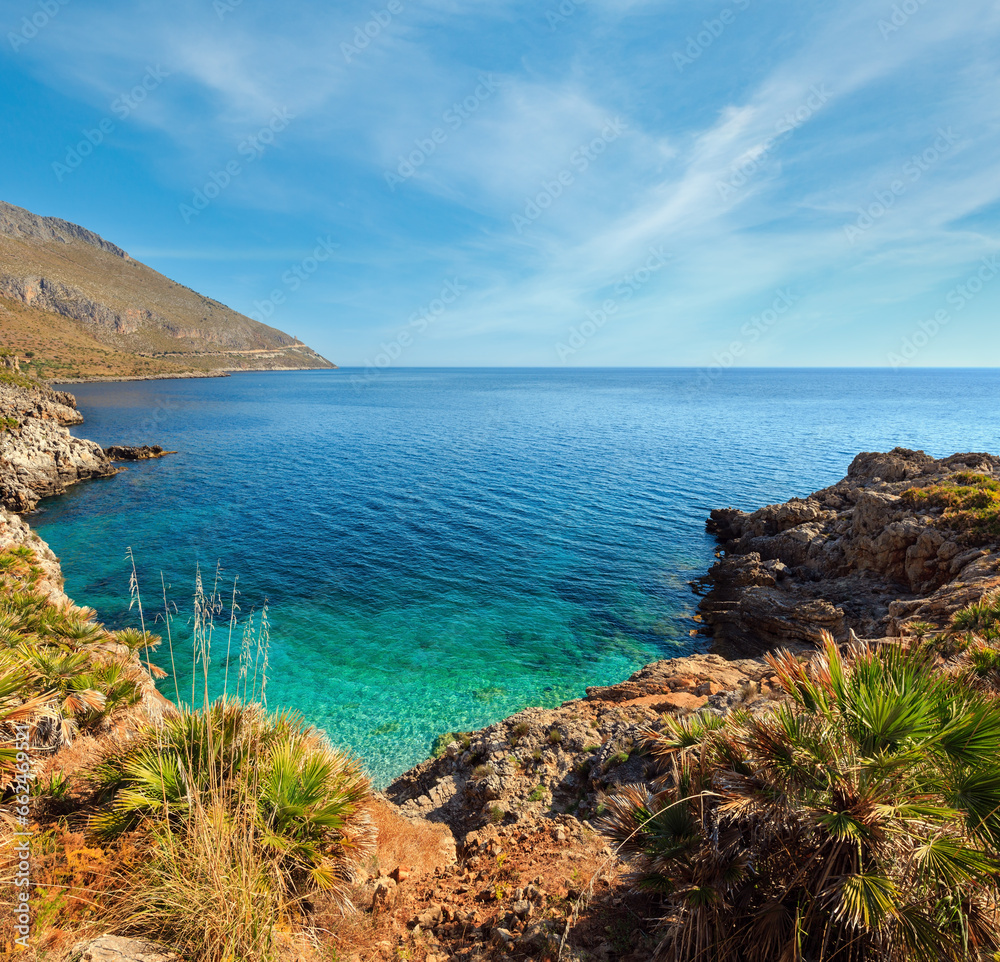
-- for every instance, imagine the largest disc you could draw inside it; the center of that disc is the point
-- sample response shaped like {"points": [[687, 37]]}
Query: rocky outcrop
{"points": [[114, 948], [558, 760], [144, 452], [38, 455], [70, 301], [854, 557]]}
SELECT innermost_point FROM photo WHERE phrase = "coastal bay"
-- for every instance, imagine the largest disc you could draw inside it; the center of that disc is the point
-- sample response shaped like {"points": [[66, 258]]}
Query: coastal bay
{"points": [[442, 549]]}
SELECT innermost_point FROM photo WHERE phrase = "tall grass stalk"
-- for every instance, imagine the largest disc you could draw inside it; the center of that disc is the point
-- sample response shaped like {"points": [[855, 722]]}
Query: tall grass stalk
{"points": [[248, 815]]}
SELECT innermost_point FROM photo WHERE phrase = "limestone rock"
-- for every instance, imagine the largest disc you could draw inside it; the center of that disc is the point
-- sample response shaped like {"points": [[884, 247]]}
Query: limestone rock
{"points": [[852, 557], [39, 457], [114, 948], [144, 452]]}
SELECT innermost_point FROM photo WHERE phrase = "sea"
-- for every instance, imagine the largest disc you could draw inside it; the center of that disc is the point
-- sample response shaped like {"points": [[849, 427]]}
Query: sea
{"points": [[437, 549]]}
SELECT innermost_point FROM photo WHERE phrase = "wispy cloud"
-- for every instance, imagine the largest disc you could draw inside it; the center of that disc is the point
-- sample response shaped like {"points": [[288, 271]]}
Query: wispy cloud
{"points": [[746, 165]]}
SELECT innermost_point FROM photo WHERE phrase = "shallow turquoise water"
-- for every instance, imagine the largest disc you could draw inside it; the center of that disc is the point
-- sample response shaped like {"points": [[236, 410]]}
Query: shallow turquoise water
{"points": [[440, 548]]}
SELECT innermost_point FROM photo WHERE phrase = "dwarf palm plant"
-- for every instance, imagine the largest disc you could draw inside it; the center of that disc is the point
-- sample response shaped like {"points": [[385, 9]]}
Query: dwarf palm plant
{"points": [[309, 809], [981, 618], [15, 709], [858, 821], [281, 784]]}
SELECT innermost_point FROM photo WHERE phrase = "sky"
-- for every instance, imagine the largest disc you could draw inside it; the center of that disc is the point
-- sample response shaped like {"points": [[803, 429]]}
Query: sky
{"points": [[553, 183]]}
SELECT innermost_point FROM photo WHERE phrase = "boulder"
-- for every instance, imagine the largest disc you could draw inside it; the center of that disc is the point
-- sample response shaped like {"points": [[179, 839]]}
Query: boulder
{"points": [[114, 948]]}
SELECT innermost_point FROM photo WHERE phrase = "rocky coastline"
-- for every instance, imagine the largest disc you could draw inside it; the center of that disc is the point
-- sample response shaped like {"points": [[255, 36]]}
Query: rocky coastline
{"points": [[491, 847], [855, 559], [39, 457]]}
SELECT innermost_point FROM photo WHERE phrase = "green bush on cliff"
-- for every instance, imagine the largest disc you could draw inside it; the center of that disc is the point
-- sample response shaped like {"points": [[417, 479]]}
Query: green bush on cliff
{"points": [[970, 504], [857, 822], [61, 670], [245, 814]]}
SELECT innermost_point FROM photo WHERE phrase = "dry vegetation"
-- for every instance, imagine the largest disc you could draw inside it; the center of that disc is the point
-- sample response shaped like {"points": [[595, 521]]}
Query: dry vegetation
{"points": [[857, 822], [970, 504], [55, 348]]}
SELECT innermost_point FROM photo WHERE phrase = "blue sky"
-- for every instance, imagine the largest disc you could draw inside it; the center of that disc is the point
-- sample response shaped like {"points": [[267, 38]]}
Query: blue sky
{"points": [[601, 182]]}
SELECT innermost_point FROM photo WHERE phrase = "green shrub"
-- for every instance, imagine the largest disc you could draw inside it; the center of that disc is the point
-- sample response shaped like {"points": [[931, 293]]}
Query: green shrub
{"points": [[970, 503], [981, 618], [859, 821], [985, 661], [305, 802]]}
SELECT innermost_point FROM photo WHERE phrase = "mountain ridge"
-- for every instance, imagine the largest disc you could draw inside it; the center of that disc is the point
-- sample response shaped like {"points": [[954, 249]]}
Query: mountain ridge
{"points": [[135, 320]]}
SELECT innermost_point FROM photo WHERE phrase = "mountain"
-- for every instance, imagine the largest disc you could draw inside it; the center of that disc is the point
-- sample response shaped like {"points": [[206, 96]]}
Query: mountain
{"points": [[76, 305]]}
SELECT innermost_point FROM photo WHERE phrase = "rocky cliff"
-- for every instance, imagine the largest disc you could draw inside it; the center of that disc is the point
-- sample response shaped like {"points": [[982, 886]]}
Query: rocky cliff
{"points": [[38, 455], [883, 547]]}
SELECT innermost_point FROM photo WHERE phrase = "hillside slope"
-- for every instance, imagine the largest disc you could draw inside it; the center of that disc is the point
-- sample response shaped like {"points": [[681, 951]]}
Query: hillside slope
{"points": [[91, 310]]}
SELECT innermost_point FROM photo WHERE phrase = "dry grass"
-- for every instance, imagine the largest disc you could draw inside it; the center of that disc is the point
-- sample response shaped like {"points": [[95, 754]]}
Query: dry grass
{"points": [[246, 818], [970, 503], [418, 846], [206, 888]]}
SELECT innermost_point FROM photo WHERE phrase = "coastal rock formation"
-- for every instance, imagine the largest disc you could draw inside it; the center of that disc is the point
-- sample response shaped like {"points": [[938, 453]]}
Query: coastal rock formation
{"points": [[561, 759], [38, 455], [521, 798], [144, 452], [858, 556]]}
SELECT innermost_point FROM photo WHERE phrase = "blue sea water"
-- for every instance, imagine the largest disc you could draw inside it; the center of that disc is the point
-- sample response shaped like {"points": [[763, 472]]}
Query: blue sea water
{"points": [[440, 548]]}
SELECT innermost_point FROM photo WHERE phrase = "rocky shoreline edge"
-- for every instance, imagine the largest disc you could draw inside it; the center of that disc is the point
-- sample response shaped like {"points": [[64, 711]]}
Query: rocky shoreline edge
{"points": [[39, 457], [188, 375], [486, 843]]}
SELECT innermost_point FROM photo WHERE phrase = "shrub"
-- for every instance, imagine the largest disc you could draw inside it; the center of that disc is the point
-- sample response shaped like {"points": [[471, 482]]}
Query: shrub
{"points": [[302, 802], [970, 503], [985, 661], [518, 732], [858, 822], [59, 672], [981, 618]]}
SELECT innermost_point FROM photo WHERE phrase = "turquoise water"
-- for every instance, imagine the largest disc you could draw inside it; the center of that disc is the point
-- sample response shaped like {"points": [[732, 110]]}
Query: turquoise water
{"points": [[440, 548]]}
